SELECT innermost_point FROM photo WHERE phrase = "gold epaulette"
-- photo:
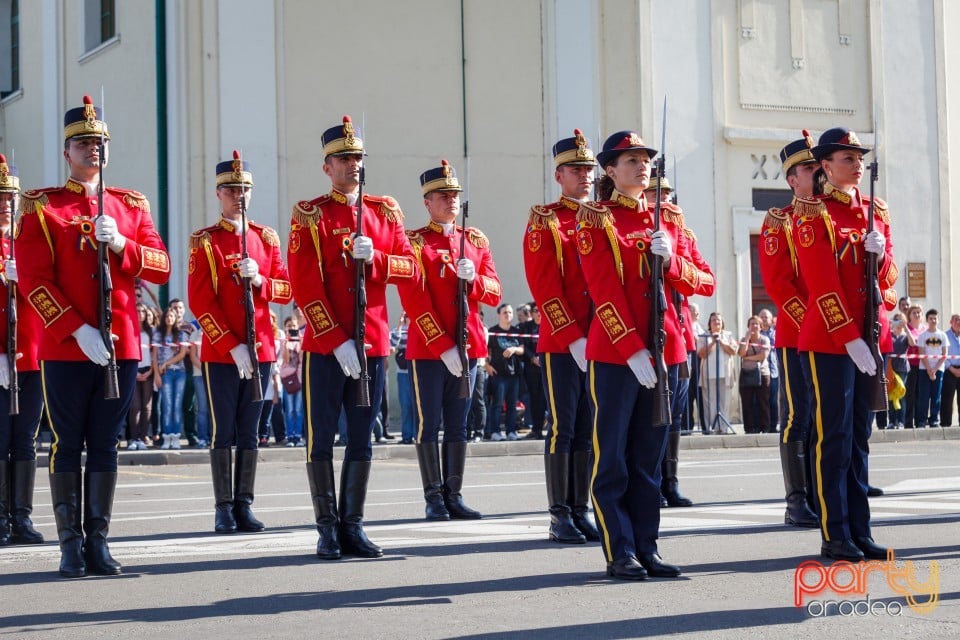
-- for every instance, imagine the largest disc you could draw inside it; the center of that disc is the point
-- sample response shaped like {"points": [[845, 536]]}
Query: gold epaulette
{"points": [[270, 237], [131, 198], [542, 216], [200, 238], [415, 236], [35, 199], [594, 214], [777, 219], [809, 209], [389, 208], [687, 231], [880, 210], [307, 212], [477, 239], [672, 214]]}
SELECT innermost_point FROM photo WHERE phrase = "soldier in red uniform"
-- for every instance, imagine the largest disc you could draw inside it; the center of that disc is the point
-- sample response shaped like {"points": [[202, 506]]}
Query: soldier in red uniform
{"points": [[432, 301], [832, 241], [670, 495], [57, 257], [322, 252], [218, 277], [617, 243], [18, 446], [560, 290], [785, 285]]}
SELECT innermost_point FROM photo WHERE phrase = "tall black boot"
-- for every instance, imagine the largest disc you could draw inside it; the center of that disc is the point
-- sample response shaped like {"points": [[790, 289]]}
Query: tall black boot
{"points": [[65, 493], [793, 460], [221, 466], [580, 495], [4, 503], [428, 455], [454, 459], [562, 529], [324, 497], [21, 503], [244, 480], [98, 492], [353, 494], [670, 484]]}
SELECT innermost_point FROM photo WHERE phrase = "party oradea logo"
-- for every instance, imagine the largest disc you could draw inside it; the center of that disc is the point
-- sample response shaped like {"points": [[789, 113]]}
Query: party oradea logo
{"points": [[814, 582]]}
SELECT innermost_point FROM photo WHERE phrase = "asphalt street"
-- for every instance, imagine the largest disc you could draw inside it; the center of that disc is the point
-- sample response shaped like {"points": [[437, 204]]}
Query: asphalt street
{"points": [[498, 577]]}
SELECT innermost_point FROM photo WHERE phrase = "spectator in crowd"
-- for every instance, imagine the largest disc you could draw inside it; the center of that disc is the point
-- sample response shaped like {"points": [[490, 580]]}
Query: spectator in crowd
{"points": [[398, 344], [141, 406], [290, 370], [504, 368], [477, 418], [768, 328], [695, 395], [949, 395], [536, 408], [915, 327], [170, 376], [199, 389], [900, 367], [188, 408], [903, 306], [271, 412], [754, 355], [933, 349], [715, 376]]}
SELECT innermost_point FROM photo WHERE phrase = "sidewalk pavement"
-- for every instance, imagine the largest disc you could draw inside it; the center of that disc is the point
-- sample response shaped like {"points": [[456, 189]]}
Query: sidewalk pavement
{"points": [[503, 448]]}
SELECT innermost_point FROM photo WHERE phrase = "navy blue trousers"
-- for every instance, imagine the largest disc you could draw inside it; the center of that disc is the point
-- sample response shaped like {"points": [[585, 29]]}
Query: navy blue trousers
{"points": [[565, 388], [840, 401], [80, 418], [436, 401], [795, 416], [326, 390], [679, 393], [627, 451], [18, 434], [234, 416]]}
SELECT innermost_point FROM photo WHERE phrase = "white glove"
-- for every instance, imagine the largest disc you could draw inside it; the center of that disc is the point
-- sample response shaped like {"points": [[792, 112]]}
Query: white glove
{"points": [[642, 366], [466, 270], [451, 358], [859, 352], [241, 356], [107, 231], [363, 248], [578, 349], [661, 245], [250, 269], [10, 270], [875, 242], [4, 371], [91, 343], [346, 355]]}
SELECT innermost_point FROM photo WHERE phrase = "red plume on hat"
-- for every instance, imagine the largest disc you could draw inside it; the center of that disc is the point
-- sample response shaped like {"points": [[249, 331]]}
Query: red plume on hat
{"points": [[237, 163], [807, 138]]}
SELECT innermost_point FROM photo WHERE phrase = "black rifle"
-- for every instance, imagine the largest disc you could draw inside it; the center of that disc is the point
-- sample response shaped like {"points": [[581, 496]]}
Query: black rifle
{"points": [[12, 327], [111, 385], [871, 319], [249, 316], [360, 303], [658, 304], [463, 312]]}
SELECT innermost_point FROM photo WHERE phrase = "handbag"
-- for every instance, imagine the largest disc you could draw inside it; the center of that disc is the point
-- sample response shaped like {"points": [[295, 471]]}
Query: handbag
{"points": [[290, 375], [750, 377]]}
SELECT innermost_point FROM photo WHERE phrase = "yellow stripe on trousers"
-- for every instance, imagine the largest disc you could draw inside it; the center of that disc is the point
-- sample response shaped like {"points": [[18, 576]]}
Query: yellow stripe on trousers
{"points": [[791, 415], [818, 448], [213, 414], [596, 464], [416, 396], [53, 428], [554, 422]]}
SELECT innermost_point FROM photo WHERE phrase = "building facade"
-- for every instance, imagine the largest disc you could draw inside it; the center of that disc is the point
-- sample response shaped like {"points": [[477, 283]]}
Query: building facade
{"points": [[490, 85]]}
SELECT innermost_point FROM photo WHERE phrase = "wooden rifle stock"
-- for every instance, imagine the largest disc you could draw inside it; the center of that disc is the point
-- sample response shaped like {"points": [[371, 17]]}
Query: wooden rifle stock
{"points": [[658, 333], [871, 319], [111, 384], [249, 315], [360, 304], [463, 313]]}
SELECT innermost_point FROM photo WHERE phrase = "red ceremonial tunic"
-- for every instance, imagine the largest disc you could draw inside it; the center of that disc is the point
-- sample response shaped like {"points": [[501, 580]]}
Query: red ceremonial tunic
{"points": [[57, 265], [28, 323], [829, 237], [216, 290], [322, 268], [431, 299], [554, 275], [614, 239], [780, 271]]}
